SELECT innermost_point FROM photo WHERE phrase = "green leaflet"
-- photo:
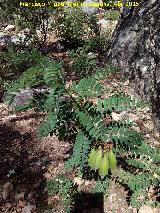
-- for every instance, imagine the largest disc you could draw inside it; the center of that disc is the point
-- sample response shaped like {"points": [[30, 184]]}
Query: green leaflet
{"points": [[88, 87], [80, 152], [118, 102], [48, 125]]}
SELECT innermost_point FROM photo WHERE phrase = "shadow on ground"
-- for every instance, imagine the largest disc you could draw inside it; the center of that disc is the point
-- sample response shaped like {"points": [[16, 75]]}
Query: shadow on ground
{"points": [[89, 203], [21, 167]]}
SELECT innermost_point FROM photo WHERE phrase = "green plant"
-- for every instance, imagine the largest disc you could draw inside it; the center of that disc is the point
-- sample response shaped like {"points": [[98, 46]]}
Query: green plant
{"points": [[32, 18], [97, 44], [14, 61], [70, 114], [65, 188], [82, 64], [112, 15], [72, 25], [68, 25]]}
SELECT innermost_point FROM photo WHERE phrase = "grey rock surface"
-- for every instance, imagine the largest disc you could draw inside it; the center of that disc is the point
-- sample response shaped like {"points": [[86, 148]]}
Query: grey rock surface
{"points": [[136, 49], [4, 38], [89, 10], [7, 38], [22, 97]]}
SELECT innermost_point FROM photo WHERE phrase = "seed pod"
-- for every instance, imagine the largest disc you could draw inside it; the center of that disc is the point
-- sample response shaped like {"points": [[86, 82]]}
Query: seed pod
{"points": [[98, 159], [112, 160], [91, 156], [103, 170], [93, 162]]}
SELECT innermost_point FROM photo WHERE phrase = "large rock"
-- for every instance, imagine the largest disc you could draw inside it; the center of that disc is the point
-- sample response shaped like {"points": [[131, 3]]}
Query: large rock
{"points": [[136, 49], [16, 39], [21, 98], [10, 28], [89, 9]]}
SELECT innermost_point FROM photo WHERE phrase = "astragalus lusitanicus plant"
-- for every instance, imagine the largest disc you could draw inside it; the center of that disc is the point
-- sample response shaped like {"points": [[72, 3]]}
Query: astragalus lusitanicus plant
{"points": [[103, 149]]}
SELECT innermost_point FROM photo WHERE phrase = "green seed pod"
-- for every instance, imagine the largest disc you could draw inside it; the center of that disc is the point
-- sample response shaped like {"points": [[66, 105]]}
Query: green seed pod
{"points": [[112, 160], [103, 170], [91, 156], [98, 159]]}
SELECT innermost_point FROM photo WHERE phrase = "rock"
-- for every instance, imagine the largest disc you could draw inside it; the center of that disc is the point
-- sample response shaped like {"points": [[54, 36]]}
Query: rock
{"points": [[135, 49], [118, 116], [133, 117], [107, 25], [145, 209], [21, 97], [104, 23], [14, 39], [4, 38], [156, 118], [7, 189], [87, 183], [19, 38], [28, 209], [89, 10], [10, 28]]}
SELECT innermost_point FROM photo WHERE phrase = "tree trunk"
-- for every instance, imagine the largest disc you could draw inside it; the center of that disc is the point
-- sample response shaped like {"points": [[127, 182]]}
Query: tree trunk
{"points": [[136, 49]]}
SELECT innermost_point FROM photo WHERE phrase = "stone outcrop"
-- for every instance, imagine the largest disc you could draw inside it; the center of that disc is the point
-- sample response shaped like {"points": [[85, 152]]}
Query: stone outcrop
{"points": [[136, 49]]}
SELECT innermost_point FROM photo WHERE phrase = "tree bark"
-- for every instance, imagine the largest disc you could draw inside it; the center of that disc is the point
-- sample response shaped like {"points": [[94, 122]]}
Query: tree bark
{"points": [[135, 48]]}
